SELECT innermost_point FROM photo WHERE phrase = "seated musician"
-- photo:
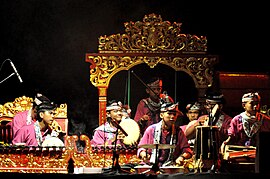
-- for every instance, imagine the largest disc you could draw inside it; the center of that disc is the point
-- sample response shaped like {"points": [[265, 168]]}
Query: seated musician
{"points": [[246, 126], [193, 113], [105, 134], [214, 100], [164, 132], [28, 116], [37, 132]]}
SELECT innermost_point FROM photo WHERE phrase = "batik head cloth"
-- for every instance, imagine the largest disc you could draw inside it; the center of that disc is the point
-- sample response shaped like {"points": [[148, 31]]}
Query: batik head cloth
{"points": [[114, 106], [251, 97], [194, 106]]}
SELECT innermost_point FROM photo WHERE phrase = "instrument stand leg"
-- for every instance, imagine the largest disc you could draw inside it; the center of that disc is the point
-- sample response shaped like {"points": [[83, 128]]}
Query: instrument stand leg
{"points": [[213, 148], [199, 165], [116, 168], [155, 168]]}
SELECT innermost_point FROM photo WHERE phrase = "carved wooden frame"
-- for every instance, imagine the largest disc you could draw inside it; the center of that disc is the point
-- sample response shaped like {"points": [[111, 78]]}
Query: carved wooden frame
{"points": [[151, 41]]}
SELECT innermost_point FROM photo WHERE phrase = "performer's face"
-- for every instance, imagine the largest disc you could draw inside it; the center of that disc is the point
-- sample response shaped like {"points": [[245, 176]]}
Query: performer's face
{"points": [[169, 117], [192, 115], [154, 93], [48, 116], [116, 114], [252, 107]]}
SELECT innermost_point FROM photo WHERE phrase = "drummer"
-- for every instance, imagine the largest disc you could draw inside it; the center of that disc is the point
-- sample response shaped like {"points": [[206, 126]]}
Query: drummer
{"points": [[164, 132], [214, 100], [105, 134]]}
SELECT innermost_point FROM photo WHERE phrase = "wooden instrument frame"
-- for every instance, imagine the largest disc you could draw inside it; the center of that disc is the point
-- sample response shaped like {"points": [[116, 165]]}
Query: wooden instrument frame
{"points": [[151, 41]]}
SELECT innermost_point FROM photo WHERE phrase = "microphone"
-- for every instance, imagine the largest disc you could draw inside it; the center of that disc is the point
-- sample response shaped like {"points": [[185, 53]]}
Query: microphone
{"points": [[15, 70]]}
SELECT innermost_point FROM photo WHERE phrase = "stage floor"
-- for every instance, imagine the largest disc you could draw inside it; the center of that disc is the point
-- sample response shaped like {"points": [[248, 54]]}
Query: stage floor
{"points": [[140, 176]]}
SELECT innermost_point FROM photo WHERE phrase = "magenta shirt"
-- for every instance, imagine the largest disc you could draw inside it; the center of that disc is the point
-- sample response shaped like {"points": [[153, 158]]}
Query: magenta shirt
{"points": [[19, 121], [182, 145], [26, 135], [104, 134], [142, 109], [238, 135]]}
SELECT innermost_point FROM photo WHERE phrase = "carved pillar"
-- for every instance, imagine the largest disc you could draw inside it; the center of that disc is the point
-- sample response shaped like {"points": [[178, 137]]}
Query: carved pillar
{"points": [[102, 104]]}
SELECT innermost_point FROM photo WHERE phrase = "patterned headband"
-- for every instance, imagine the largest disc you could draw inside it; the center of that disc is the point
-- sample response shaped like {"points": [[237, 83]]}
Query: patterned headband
{"points": [[251, 97], [157, 83], [113, 106]]}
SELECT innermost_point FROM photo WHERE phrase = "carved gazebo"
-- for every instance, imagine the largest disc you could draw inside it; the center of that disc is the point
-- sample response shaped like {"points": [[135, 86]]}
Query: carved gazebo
{"points": [[151, 41]]}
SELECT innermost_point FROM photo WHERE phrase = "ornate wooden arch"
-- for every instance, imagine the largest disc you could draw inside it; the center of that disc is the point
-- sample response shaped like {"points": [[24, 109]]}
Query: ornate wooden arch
{"points": [[151, 41]]}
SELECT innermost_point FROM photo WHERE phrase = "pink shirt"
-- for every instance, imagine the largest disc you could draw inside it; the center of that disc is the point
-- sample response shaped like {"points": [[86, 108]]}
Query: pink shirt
{"points": [[143, 109], [26, 135], [104, 134], [238, 134], [182, 145], [21, 119]]}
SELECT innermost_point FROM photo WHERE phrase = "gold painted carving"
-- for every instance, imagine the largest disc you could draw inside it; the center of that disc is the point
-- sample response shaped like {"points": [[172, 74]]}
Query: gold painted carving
{"points": [[152, 41], [199, 67], [154, 35], [10, 109]]}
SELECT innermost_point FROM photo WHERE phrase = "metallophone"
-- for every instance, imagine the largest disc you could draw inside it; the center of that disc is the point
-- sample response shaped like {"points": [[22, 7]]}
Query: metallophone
{"points": [[51, 159], [239, 158], [46, 159], [56, 159]]}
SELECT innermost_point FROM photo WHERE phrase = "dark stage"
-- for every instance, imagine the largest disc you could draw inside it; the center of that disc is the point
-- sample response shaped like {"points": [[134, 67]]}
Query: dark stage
{"points": [[141, 176], [47, 42]]}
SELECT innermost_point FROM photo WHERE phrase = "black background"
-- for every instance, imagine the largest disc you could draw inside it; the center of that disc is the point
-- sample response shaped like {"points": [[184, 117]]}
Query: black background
{"points": [[47, 41]]}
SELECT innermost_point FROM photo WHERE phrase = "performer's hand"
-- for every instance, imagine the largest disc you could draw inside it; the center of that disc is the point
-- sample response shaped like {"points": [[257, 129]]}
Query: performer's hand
{"points": [[180, 161], [223, 145], [121, 136], [145, 117], [222, 148], [144, 156], [203, 120]]}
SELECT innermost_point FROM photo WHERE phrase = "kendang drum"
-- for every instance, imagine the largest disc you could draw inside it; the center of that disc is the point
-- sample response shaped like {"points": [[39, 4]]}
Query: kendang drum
{"points": [[206, 143]]}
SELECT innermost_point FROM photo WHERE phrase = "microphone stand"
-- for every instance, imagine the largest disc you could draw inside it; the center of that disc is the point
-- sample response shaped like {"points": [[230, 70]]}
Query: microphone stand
{"points": [[116, 168], [7, 77], [212, 141], [14, 73]]}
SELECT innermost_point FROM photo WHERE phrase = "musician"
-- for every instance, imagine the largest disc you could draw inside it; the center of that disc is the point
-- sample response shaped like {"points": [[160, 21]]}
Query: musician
{"points": [[35, 133], [215, 116], [105, 134], [193, 112], [148, 109], [28, 116], [246, 126], [165, 132]]}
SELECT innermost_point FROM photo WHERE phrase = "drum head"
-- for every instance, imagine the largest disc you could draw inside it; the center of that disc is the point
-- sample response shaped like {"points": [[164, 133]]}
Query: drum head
{"points": [[132, 129]]}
